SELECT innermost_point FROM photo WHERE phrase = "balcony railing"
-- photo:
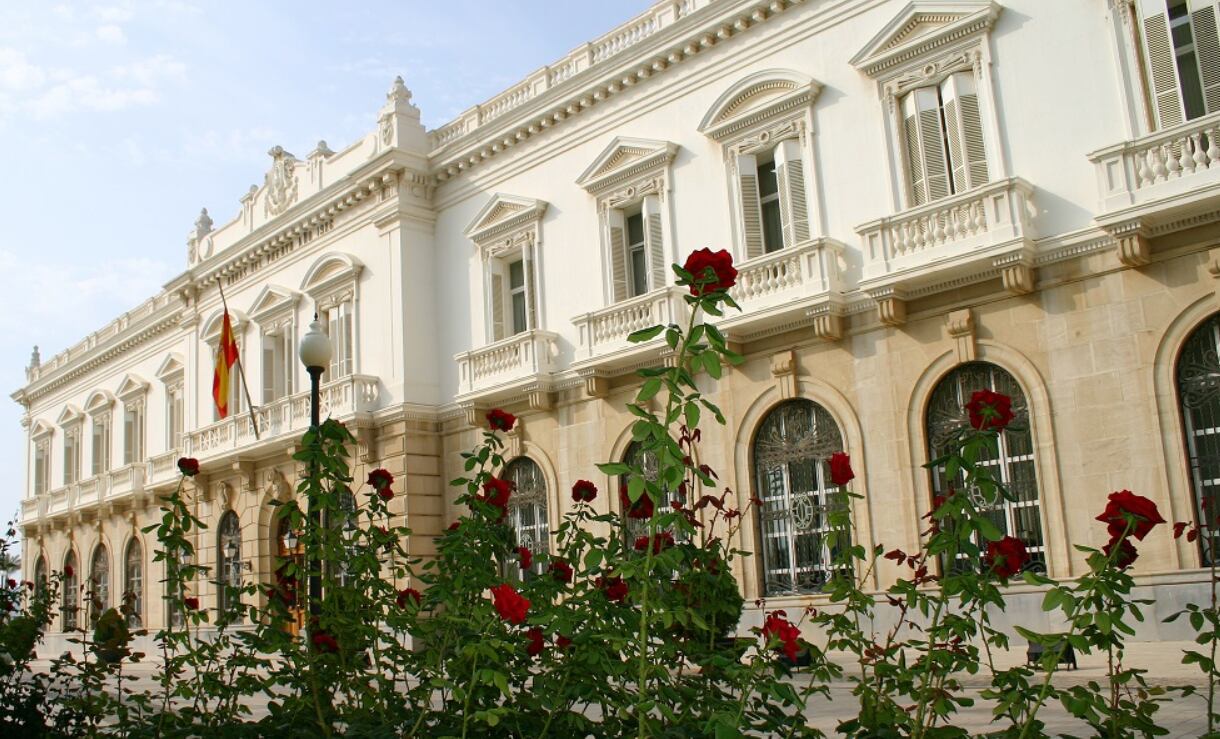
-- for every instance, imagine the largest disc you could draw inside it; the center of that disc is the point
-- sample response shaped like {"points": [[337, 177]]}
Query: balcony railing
{"points": [[1174, 162], [125, 481], [951, 235], [604, 332], [163, 467], [522, 358], [339, 399], [782, 285]]}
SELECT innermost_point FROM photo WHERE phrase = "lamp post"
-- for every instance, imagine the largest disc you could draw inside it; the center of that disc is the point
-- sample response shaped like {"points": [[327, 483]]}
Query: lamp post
{"points": [[315, 352]]}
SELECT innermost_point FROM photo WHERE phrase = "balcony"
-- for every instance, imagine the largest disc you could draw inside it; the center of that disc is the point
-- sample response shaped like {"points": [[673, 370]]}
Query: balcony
{"points": [[954, 238], [522, 361], [124, 482], [163, 468], [604, 332], [341, 399], [787, 288], [1162, 178]]}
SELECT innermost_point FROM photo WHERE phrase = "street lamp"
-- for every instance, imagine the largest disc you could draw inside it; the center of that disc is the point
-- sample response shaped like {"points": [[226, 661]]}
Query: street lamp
{"points": [[315, 352]]}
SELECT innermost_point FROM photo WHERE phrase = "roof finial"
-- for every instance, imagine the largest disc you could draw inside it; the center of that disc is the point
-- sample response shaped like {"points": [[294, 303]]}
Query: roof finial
{"points": [[398, 91], [35, 358]]}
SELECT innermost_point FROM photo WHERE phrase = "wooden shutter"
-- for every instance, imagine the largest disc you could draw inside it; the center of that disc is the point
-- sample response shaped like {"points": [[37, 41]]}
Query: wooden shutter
{"points": [[654, 240], [269, 368], [751, 208], [617, 228], [531, 289], [1161, 64], [1203, 22], [964, 131], [40, 469], [97, 447], [793, 200], [129, 436], [497, 305], [928, 168], [333, 331]]}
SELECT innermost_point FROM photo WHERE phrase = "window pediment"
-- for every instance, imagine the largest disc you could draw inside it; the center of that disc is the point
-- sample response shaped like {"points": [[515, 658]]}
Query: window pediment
{"points": [[756, 99], [41, 430], [332, 278], [211, 328], [925, 27], [504, 221], [273, 304], [132, 388], [171, 369], [69, 415], [625, 159], [99, 402]]}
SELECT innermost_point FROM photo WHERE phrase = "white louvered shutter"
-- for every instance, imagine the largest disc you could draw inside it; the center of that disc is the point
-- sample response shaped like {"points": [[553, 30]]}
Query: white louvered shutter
{"points": [[1162, 67], [1203, 20], [531, 289], [964, 131], [793, 197], [129, 437], [268, 368], [654, 241], [498, 329], [751, 207], [925, 146], [617, 230]]}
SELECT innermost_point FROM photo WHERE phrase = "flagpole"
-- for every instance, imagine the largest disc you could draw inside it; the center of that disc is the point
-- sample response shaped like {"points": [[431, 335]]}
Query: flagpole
{"points": [[241, 372]]}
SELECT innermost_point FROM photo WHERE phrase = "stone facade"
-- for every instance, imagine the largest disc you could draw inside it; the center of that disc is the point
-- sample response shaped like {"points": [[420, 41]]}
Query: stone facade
{"points": [[1049, 222]]}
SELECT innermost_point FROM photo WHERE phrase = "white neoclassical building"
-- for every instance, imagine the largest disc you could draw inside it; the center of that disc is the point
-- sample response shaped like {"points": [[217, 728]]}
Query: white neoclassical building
{"points": [[924, 198]]}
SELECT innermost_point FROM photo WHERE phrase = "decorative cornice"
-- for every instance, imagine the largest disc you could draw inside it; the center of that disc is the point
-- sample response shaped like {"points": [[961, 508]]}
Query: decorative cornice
{"points": [[489, 225], [959, 18]]}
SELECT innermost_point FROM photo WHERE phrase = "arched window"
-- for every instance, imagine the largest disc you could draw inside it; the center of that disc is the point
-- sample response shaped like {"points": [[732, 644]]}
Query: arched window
{"points": [[71, 591], [646, 460], [40, 574], [1198, 378], [791, 456], [527, 507], [99, 582], [228, 564], [1013, 465], [133, 582], [347, 522]]}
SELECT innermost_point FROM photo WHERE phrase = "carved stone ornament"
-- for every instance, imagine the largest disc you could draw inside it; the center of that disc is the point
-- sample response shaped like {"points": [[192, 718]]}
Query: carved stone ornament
{"points": [[935, 71], [784, 369], [960, 325], [768, 137], [280, 182]]}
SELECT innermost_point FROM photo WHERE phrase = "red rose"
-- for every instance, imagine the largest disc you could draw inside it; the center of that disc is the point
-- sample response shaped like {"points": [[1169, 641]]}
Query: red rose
{"points": [[615, 588], [711, 270], [1179, 528], [29, 584], [989, 410], [642, 508], [324, 642], [406, 595], [526, 557], [454, 526], [840, 469], [380, 479], [779, 627], [191, 603], [11, 583], [561, 571], [536, 641], [1006, 557], [188, 466], [660, 542], [1125, 503], [1125, 556], [584, 491], [497, 492], [509, 603], [68, 571], [563, 642], [500, 420], [896, 554]]}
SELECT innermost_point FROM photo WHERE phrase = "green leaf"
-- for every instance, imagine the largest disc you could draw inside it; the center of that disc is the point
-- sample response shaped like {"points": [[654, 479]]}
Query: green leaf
{"points": [[711, 361], [650, 389], [644, 334]]}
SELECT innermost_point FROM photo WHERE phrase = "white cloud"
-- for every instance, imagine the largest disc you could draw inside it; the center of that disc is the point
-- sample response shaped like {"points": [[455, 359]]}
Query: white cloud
{"points": [[148, 72], [111, 34], [17, 73], [234, 145], [87, 93]]}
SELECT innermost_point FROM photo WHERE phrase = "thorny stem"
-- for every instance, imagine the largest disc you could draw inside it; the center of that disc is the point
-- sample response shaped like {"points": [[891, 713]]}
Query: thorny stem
{"points": [[474, 670]]}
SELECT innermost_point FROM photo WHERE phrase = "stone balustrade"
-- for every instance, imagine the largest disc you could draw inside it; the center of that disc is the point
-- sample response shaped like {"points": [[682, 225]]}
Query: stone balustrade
{"points": [[780, 287], [1176, 161], [604, 332], [163, 467], [525, 357], [125, 481]]}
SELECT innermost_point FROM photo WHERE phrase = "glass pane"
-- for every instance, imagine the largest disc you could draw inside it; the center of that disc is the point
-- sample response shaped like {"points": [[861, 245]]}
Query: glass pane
{"points": [[635, 229], [768, 183], [773, 229], [516, 274], [639, 272], [519, 314]]}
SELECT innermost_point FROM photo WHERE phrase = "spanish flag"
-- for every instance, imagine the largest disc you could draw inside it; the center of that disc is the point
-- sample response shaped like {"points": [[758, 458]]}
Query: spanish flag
{"points": [[226, 355]]}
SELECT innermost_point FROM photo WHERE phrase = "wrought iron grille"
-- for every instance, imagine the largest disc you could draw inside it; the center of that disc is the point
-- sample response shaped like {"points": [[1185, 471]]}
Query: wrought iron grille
{"points": [[527, 510], [133, 582], [71, 592], [1198, 377], [646, 460], [228, 570], [791, 453], [99, 582], [347, 521], [1013, 466]]}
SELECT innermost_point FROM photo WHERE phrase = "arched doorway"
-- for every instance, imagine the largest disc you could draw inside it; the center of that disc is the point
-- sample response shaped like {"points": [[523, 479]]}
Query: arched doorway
{"points": [[288, 575]]}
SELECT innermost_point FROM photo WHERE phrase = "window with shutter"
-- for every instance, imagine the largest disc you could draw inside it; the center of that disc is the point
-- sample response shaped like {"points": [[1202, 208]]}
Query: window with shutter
{"points": [[174, 414], [943, 139], [1181, 57], [101, 444], [655, 239], [922, 119], [41, 458], [768, 197], [750, 178], [497, 307], [517, 297], [794, 204], [69, 458]]}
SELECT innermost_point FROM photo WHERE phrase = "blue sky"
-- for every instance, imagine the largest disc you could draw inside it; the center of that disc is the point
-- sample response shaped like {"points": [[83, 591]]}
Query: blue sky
{"points": [[120, 120]]}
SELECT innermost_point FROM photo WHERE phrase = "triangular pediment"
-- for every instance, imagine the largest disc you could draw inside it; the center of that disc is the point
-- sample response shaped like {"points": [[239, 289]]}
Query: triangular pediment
{"points": [[757, 98], [503, 212], [70, 414], [922, 27], [132, 386], [271, 300], [41, 428], [99, 402], [625, 157], [171, 367]]}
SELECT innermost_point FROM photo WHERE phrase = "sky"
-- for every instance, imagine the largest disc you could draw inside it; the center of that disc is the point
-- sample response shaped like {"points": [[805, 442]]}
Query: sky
{"points": [[119, 120]]}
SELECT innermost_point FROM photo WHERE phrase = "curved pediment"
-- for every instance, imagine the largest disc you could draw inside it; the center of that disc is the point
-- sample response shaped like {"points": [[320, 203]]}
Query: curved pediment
{"points": [[330, 271], [756, 98], [99, 402], [211, 327], [503, 213], [924, 26], [625, 158]]}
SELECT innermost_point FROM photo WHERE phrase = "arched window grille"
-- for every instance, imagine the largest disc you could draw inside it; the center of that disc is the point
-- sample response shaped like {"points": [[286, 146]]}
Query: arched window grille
{"points": [[133, 583], [527, 508], [646, 460], [71, 594], [1198, 381], [99, 582], [1013, 465], [791, 455], [228, 561], [347, 521], [40, 574]]}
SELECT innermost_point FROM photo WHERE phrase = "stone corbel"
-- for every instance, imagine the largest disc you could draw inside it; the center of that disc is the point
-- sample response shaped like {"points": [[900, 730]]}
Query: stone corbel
{"points": [[1131, 240], [960, 325], [783, 369], [1213, 269], [366, 443], [827, 321], [539, 398], [512, 442], [245, 473], [1016, 274], [597, 385], [216, 491], [891, 305], [472, 415], [275, 483]]}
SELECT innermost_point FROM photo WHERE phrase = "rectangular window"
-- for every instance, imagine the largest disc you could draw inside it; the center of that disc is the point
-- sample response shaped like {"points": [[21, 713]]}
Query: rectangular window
{"points": [[338, 322], [1182, 58], [277, 366], [42, 467], [517, 296], [943, 139], [637, 254], [71, 456], [133, 434], [768, 196], [174, 409], [1186, 57], [101, 444]]}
